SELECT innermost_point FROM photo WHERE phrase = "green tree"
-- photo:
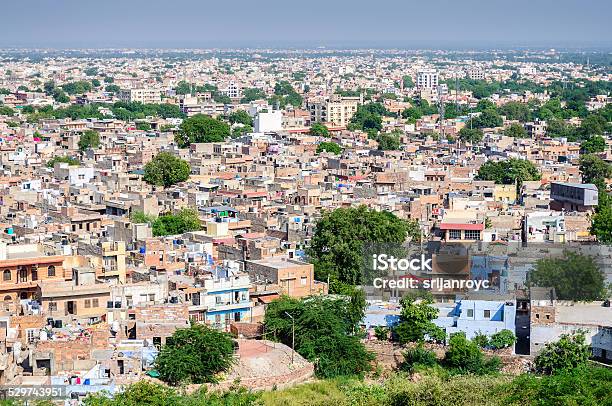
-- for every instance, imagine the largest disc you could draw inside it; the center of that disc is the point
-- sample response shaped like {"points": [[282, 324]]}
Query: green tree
{"points": [[140, 217], [323, 333], [172, 224], [408, 82], [183, 87], [112, 89], [416, 322], [487, 119], [66, 159], [329, 147], [252, 94], [509, 171], [516, 131], [471, 135], [502, 339], [464, 356], [574, 277], [89, 139], [601, 222], [593, 144], [593, 124], [339, 239], [6, 111], [79, 87], [570, 352], [388, 142], [595, 170], [241, 117], [195, 355], [143, 126], [201, 128], [166, 169], [319, 130], [516, 111]]}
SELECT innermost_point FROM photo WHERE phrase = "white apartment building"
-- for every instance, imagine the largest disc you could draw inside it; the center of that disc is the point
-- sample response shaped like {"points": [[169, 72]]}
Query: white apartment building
{"points": [[232, 90], [336, 110], [140, 95], [427, 79]]}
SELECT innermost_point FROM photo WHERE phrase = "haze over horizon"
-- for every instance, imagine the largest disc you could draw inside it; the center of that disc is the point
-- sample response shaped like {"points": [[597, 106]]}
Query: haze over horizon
{"points": [[340, 23]]}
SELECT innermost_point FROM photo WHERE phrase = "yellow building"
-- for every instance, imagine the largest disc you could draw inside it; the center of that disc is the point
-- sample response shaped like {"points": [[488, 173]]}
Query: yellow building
{"points": [[505, 193]]}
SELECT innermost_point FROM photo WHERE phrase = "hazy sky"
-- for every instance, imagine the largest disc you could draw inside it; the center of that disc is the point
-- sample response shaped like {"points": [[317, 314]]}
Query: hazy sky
{"points": [[356, 23]]}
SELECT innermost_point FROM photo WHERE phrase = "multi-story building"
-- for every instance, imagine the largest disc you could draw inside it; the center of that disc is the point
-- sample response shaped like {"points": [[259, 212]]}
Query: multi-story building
{"points": [[222, 297], [295, 278], [475, 73], [427, 79], [573, 196], [336, 110], [140, 95], [24, 266]]}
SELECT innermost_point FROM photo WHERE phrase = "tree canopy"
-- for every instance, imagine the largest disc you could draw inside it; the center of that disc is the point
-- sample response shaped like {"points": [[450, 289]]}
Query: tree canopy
{"points": [[172, 224], [516, 131], [319, 130], [201, 128], [509, 171], [195, 355], [574, 277], [593, 144], [65, 159], [416, 322], [89, 139], [166, 169], [471, 135], [337, 246], [324, 332], [329, 147]]}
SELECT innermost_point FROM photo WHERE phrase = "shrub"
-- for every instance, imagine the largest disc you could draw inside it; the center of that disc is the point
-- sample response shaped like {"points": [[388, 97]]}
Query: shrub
{"points": [[381, 333], [418, 356], [568, 353], [502, 339], [464, 356], [481, 340]]}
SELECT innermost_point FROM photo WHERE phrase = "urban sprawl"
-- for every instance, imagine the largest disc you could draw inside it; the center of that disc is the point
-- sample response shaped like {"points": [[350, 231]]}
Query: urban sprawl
{"points": [[202, 217]]}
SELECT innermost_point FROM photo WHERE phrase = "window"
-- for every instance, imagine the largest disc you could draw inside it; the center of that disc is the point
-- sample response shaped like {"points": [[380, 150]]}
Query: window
{"points": [[87, 303], [52, 306], [487, 314], [51, 270], [6, 275], [34, 274], [472, 234], [22, 273], [151, 297], [303, 280], [454, 234], [470, 312], [95, 303]]}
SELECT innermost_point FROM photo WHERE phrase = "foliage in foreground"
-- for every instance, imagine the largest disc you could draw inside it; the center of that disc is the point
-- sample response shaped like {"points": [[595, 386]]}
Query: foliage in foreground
{"points": [[195, 355], [324, 332], [568, 353], [583, 386]]}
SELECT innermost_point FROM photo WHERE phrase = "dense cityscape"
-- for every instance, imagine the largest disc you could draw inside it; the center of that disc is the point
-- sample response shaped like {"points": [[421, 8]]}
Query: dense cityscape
{"points": [[257, 226]]}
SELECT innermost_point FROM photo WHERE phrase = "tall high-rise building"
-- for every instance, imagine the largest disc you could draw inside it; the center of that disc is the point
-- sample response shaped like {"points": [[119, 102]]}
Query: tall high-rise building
{"points": [[427, 79]]}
